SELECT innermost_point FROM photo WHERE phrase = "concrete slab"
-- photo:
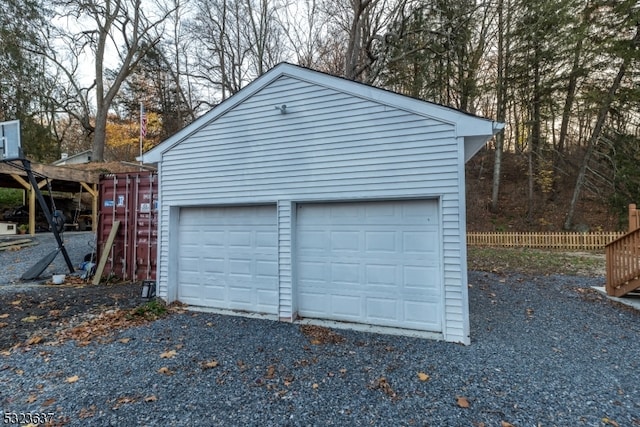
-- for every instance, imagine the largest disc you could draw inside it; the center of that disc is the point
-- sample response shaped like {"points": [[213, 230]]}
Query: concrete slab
{"points": [[632, 299]]}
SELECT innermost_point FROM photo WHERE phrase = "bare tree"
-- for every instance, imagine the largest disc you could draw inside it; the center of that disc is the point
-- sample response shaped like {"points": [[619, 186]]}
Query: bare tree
{"points": [[119, 30], [235, 41], [365, 25], [305, 26]]}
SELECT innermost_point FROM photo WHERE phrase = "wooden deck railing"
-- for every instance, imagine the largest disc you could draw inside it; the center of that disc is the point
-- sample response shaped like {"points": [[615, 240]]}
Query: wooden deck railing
{"points": [[554, 240], [623, 264]]}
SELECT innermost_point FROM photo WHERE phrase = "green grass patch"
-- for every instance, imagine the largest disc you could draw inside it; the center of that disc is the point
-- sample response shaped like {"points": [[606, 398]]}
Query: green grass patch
{"points": [[151, 310], [536, 261]]}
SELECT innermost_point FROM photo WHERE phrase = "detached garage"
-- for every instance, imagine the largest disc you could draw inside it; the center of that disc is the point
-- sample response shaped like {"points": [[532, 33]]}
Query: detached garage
{"points": [[308, 196]]}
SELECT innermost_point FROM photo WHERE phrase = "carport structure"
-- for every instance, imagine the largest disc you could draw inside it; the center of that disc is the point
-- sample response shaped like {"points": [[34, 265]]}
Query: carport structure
{"points": [[61, 179]]}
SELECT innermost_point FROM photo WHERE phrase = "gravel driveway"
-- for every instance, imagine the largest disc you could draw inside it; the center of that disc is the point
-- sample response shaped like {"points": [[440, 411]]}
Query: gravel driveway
{"points": [[15, 263], [546, 351]]}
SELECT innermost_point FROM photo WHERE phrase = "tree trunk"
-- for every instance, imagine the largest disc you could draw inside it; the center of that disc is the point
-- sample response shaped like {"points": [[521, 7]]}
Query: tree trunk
{"points": [[99, 137], [501, 108], [595, 135], [571, 94]]}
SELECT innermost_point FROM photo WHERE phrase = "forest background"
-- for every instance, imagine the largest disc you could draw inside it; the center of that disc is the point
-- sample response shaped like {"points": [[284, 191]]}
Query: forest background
{"points": [[564, 75]]}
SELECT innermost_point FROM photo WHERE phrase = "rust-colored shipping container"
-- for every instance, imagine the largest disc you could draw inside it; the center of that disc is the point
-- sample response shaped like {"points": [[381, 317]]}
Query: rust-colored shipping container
{"points": [[132, 199]]}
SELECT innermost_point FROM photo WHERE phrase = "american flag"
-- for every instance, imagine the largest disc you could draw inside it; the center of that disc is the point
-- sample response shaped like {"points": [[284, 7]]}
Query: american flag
{"points": [[143, 122]]}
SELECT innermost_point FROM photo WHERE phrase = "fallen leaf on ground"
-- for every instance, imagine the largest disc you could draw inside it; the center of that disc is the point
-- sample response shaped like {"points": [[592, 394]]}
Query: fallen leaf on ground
{"points": [[87, 412], [151, 398], [382, 384], [315, 386], [17, 302], [34, 340], [32, 398], [423, 377], [3, 324], [610, 422], [462, 402], [505, 424], [271, 371], [124, 340], [30, 319], [209, 364], [166, 371], [72, 379], [168, 354], [320, 335], [48, 402], [4, 316]]}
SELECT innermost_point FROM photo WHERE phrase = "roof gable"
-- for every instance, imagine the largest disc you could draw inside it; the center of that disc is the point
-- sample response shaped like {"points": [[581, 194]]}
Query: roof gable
{"points": [[474, 129]]}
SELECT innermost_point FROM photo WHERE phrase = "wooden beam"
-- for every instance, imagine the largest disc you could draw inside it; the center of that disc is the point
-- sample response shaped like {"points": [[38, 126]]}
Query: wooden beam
{"points": [[94, 209], [105, 253], [55, 172], [91, 190], [21, 181]]}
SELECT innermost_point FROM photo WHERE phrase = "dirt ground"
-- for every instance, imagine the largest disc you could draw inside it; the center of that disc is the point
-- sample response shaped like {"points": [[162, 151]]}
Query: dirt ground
{"points": [[36, 314]]}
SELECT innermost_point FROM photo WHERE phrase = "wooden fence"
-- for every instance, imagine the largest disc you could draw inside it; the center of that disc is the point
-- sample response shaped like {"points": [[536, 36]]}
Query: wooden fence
{"points": [[553, 240]]}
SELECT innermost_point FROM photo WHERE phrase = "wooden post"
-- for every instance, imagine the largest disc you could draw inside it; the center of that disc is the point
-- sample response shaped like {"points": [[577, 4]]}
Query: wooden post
{"points": [[634, 219], [105, 252], [93, 190]]}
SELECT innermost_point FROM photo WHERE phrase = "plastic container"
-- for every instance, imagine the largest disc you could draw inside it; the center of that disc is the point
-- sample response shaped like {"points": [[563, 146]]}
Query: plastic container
{"points": [[58, 279]]}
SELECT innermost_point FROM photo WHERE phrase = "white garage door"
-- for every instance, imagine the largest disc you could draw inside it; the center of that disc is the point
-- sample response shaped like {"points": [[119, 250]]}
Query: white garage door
{"points": [[227, 258], [370, 262]]}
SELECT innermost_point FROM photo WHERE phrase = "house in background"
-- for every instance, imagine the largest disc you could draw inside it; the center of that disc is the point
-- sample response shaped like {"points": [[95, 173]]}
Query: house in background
{"points": [[79, 158], [308, 196]]}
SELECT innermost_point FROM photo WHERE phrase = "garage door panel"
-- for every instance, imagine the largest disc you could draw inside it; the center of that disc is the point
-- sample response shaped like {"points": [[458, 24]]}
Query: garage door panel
{"points": [[370, 262], [422, 313], [346, 240], [239, 239], [228, 258], [381, 241], [212, 265], [313, 303], [312, 271], [347, 307], [382, 310], [312, 240], [266, 240], [267, 269], [415, 242], [380, 274], [345, 273]]}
